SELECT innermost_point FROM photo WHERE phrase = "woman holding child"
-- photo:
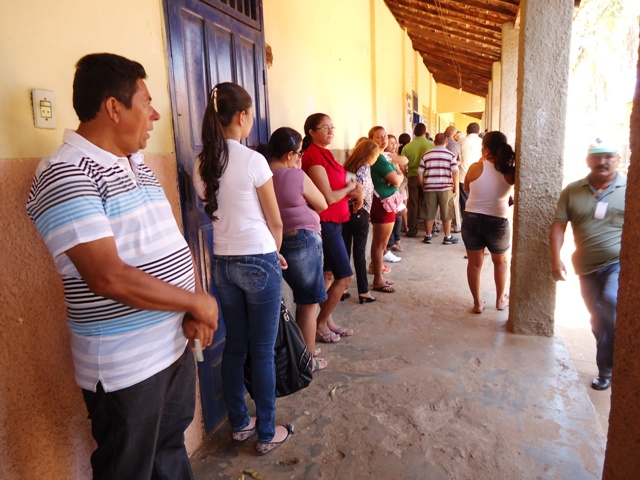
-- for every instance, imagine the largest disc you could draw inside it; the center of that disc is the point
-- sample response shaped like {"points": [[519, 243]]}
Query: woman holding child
{"points": [[386, 177]]}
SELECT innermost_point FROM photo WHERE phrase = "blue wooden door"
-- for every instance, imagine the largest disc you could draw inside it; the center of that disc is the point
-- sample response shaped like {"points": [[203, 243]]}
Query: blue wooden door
{"points": [[210, 42]]}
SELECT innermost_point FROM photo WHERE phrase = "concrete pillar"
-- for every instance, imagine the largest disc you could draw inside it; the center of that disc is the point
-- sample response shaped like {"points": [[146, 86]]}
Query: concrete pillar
{"points": [[488, 106], [509, 82], [495, 95], [543, 76], [621, 456]]}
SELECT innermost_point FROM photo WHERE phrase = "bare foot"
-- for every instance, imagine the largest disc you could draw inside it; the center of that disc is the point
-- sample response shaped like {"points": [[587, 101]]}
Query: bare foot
{"points": [[503, 302], [478, 308]]}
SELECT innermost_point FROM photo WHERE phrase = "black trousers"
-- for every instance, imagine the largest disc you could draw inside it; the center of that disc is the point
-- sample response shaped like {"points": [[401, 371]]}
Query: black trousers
{"points": [[140, 429], [355, 233]]}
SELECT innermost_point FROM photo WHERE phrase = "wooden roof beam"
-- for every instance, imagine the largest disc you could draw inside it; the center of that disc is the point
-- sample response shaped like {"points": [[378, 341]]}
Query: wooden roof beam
{"points": [[459, 48], [459, 18], [451, 7], [428, 22]]}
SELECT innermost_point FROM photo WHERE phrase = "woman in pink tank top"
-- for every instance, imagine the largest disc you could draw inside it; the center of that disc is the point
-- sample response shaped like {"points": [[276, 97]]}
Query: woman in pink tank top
{"points": [[489, 183]]}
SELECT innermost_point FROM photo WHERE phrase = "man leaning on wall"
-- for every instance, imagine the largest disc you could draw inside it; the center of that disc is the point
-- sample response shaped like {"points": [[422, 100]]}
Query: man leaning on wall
{"points": [[133, 296]]}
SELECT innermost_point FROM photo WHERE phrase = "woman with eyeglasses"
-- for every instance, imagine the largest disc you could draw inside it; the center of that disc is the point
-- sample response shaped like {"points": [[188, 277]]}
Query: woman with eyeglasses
{"points": [[299, 200], [386, 177], [236, 187], [330, 178]]}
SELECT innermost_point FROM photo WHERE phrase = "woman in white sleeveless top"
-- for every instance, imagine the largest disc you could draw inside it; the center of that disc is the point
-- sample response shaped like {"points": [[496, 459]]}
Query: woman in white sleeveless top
{"points": [[489, 184]]}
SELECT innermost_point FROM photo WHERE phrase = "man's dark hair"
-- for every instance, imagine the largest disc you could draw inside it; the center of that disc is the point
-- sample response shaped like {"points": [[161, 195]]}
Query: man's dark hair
{"points": [[419, 130], [441, 139], [473, 127], [100, 76]]}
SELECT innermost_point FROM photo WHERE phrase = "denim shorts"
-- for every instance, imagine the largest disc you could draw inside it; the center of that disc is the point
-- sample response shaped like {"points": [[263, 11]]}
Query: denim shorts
{"points": [[336, 258], [303, 251], [480, 231]]}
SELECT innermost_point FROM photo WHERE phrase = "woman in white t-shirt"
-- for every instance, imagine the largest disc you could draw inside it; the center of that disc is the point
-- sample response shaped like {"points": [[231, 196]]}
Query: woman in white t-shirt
{"points": [[235, 185], [489, 184]]}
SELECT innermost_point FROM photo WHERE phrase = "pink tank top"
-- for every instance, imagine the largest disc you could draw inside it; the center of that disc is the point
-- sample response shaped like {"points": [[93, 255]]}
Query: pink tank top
{"points": [[489, 193], [296, 214]]}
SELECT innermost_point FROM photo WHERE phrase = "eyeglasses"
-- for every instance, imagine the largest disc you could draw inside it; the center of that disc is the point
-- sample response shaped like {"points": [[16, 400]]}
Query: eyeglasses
{"points": [[299, 154], [326, 128]]}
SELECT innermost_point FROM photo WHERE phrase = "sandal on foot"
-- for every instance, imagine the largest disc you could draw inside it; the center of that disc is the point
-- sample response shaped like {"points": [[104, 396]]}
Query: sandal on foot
{"points": [[342, 331], [244, 435], [263, 448], [384, 289], [329, 337], [319, 364]]}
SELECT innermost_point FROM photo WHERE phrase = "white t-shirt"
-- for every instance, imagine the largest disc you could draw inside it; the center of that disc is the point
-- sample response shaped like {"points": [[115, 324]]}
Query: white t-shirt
{"points": [[470, 152], [241, 228]]}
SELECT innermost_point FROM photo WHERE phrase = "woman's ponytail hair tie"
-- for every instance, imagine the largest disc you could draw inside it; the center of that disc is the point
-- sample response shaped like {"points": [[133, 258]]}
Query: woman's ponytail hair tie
{"points": [[214, 97]]}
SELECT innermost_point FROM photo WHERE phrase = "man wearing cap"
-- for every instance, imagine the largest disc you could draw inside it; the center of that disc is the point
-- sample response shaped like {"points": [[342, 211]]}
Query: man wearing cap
{"points": [[595, 208]]}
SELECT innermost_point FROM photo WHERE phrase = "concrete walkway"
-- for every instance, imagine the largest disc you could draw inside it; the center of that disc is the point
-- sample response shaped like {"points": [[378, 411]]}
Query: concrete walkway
{"points": [[428, 390]]}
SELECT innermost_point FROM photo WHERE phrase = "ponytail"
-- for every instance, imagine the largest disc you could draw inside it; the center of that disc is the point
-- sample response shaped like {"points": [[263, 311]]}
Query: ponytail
{"points": [[311, 123], [504, 158], [225, 101]]}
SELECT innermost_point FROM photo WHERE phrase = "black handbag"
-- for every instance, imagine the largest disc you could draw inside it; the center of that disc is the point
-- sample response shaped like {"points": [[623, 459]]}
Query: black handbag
{"points": [[294, 363]]}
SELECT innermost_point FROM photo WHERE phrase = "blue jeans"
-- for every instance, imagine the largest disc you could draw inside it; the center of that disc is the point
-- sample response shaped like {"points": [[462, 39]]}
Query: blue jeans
{"points": [[250, 290], [140, 429], [303, 251], [600, 293]]}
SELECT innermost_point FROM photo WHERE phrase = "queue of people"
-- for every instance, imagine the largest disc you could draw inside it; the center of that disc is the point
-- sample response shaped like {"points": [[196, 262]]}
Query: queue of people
{"points": [[297, 217]]}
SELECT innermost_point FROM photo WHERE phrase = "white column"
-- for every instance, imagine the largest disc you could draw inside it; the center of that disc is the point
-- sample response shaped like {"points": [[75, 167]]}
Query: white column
{"points": [[509, 83], [495, 95]]}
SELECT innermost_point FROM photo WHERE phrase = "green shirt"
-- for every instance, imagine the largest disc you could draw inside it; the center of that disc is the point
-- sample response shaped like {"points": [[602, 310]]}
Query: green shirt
{"points": [[597, 241], [379, 170], [414, 151]]}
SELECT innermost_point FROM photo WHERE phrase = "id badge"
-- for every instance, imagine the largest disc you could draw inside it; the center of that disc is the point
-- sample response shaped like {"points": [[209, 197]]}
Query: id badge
{"points": [[601, 210]]}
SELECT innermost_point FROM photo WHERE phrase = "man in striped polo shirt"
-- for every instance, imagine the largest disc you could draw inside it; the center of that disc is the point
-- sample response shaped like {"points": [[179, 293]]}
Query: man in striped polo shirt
{"points": [[133, 297], [438, 175]]}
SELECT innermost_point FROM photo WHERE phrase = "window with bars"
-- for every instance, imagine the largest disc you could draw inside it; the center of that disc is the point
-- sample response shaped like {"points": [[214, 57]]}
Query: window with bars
{"points": [[248, 8]]}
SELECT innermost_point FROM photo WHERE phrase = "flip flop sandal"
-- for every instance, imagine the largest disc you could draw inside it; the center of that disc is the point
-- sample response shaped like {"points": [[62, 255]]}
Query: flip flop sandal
{"points": [[384, 289], [319, 364], [342, 331], [264, 448], [329, 337]]}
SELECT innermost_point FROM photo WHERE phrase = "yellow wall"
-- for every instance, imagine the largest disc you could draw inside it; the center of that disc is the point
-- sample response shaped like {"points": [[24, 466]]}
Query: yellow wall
{"points": [[352, 62], [321, 63], [42, 41], [451, 100]]}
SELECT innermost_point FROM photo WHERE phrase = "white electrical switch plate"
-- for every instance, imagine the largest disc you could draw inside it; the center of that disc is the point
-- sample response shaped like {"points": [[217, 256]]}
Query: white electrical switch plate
{"points": [[44, 108]]}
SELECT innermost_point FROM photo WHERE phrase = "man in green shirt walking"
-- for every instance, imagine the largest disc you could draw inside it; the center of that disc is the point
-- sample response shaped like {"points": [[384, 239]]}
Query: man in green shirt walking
{"points": [[595, 208]]}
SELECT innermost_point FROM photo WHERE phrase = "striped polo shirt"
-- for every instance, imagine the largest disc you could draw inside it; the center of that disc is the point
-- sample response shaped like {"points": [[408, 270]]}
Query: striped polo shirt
{"points": [[436, 166], [80, 194]]}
